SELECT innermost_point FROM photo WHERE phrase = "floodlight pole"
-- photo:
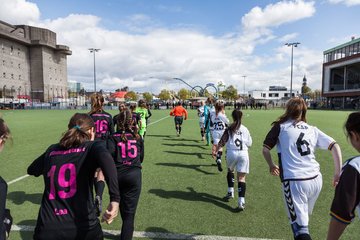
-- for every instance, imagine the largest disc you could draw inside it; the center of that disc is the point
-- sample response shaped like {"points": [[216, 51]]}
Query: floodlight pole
{"points": [[94, 50], [244, 84], [294, 44]]}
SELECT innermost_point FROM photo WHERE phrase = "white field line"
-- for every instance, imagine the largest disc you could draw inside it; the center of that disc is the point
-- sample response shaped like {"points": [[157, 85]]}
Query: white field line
{"points": [[25, 176], [17, 179], [152, 235], [158, 120]]}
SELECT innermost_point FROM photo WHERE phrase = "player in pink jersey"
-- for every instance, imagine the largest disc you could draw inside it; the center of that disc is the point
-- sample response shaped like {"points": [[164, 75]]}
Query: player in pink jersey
{"points": [[298, 169], [104, 127], [67, 210], [5, 217], [127, 150]]}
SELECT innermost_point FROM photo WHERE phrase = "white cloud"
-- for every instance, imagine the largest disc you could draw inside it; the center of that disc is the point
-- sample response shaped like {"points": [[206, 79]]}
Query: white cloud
{"points": [[274, 15], [288, 37], [346, 2], [18, 11], [128, 59]]}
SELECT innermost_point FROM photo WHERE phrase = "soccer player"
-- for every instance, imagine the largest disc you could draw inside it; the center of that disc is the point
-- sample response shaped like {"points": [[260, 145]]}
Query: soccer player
{"points": [[5, 217], [208, 108], [104, 126], [180, 114], [347, 192], [136, 119], [143, 111], [67, 207], [127, 149], [220, 123], [299, 172], [237, 139], [122, 107], [201, 115]]}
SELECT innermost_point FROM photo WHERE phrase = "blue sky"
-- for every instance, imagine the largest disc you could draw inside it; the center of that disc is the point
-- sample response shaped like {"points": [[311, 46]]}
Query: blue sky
{"points": [[196, 40]]}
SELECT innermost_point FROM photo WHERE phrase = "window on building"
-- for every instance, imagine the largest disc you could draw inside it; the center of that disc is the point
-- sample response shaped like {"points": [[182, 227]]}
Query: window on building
{"points": [[12, 76], [276, 95], [263, 95], [4, 75]]}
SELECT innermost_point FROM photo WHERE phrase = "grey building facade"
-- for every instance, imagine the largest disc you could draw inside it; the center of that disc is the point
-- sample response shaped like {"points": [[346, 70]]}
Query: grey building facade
{"points": [[32, 64]]}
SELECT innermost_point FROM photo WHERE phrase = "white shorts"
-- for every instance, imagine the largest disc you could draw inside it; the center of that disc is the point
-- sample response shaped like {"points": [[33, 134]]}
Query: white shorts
{"points": [[238, 160], [300, 197], [216, 136]]}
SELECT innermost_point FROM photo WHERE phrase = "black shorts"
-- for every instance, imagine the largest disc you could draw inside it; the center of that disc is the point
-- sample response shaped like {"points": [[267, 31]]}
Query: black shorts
{"points": [[178, 120]]}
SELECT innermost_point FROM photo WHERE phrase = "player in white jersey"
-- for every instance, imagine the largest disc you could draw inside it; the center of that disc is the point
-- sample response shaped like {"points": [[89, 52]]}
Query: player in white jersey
{"points": [[347, 193], [201, 115], [300, 175], [208, 108], [220, 123], [237, 139]]}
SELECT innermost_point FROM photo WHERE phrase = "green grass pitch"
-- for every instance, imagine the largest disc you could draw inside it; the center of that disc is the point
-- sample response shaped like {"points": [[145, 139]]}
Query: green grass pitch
{"points": [[182, 189]]}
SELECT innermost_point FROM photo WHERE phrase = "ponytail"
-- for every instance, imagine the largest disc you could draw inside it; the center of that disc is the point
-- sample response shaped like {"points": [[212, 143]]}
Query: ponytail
{"points": [[77, 132], [97, 102], [125, 123]]}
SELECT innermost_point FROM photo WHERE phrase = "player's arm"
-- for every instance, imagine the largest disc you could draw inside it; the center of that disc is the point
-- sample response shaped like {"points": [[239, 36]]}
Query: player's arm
{"points": [[107, 165], [36, 168], [142, 150], [102, 156], [269, 142], [223, 140], [337, 157], [248, 139], [344, 203]]}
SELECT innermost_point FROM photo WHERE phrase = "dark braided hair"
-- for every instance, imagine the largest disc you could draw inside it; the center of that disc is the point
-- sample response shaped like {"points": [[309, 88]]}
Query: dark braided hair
{"points": [[125, 123]]}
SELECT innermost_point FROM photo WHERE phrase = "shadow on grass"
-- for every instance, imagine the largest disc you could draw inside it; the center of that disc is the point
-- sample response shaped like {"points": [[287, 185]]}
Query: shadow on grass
{"points": [[196, 167], [192, 195], [20, 197], [27, 228], [156, 135], [182, 140], [199, 155], [184, 145]]}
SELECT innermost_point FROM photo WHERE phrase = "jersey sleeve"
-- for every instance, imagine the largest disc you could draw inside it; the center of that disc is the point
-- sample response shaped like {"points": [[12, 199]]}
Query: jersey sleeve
{"points": [[107, 165], [324, 141], [347, 195], [272, 137], [36, 168]]}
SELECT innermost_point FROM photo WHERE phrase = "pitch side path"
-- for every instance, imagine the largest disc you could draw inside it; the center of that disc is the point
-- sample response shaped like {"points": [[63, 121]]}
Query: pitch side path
{"points": [[182, 192]]}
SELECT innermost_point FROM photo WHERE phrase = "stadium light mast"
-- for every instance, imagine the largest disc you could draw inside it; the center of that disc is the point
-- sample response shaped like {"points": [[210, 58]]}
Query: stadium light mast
{"points": [[94, 50], [244, 76], [292, 45]]}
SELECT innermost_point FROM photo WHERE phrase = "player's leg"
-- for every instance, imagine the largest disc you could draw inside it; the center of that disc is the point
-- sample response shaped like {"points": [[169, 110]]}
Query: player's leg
{"points": [[99, 190], [241, 189], [129, 195], [230, 178], [242, 168], [180, 121], [296, 201]]}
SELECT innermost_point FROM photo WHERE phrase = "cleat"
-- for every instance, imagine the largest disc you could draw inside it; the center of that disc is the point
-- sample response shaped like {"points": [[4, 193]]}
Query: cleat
{"points": [[98, 205], [229, 195], [177, 134], [218, 163], [241, 206]]}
